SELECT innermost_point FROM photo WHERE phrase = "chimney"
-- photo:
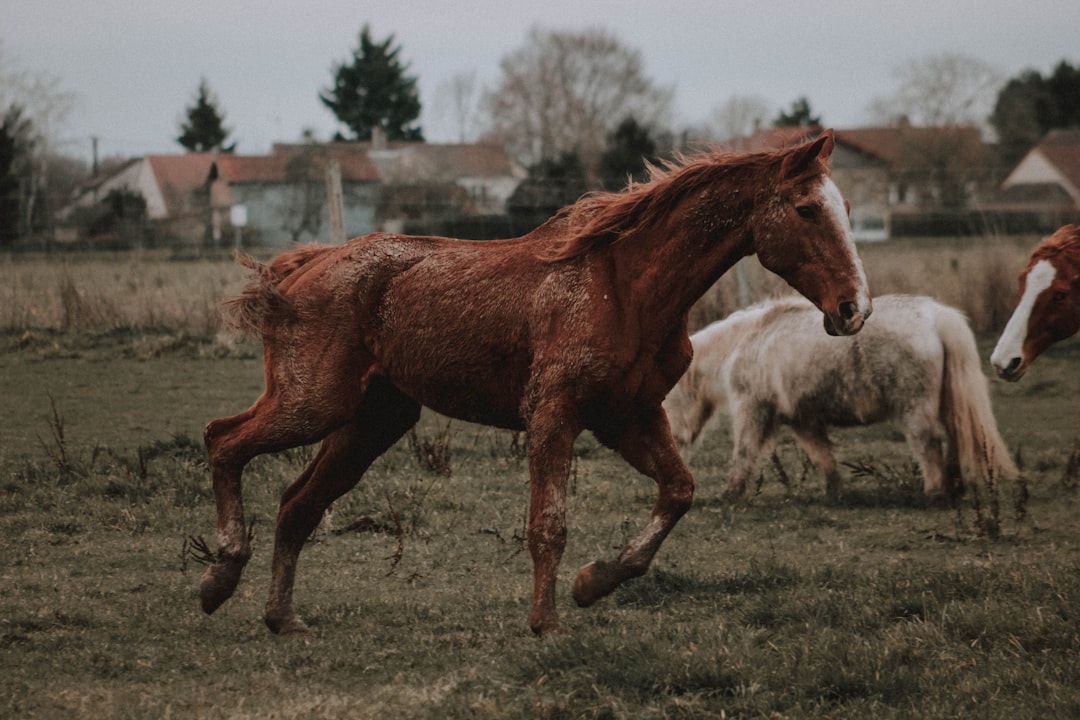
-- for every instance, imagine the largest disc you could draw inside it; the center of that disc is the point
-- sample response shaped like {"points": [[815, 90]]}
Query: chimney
{"points": [[378, 138]]}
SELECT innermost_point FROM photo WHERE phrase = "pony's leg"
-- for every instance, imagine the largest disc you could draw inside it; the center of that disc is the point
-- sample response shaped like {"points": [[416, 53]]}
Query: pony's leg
{"points": [[927, 444], [752, 428], [283, 417], [551, 448], [384, 416], [650, 449], [815, 441]]}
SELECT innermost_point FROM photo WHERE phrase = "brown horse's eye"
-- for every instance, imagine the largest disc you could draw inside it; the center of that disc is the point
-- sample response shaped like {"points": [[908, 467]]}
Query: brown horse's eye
{"points": [[1059, 296], [806, 212]]}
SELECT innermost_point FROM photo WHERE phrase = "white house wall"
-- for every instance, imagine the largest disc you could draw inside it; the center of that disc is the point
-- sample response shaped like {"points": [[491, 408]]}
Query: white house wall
{"points": [[1032, 170], [146, 184], [267, 210]]}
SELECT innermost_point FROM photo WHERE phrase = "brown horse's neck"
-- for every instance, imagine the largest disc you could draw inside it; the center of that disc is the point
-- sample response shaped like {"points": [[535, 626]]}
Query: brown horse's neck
{"points": [[672, 264]]}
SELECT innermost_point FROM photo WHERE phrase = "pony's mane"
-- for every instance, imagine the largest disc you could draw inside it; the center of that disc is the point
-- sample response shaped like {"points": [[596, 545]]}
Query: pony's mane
{"points": [[605, 217]]}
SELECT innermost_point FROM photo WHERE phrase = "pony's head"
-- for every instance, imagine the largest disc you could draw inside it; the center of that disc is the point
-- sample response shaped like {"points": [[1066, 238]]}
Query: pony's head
{"points": [[1049, 305], [802, 233]]}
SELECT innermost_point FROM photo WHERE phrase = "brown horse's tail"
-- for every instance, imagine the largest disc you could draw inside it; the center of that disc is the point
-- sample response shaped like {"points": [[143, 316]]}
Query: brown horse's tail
{"points": [[261, 303], [965, 408]]}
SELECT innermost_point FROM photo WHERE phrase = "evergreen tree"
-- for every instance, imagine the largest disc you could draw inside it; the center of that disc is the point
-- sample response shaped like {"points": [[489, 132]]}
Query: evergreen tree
{"points": [[800, 115], [1030, 105], [204, 129], [373, 91], [629, 148], [14, 131]]}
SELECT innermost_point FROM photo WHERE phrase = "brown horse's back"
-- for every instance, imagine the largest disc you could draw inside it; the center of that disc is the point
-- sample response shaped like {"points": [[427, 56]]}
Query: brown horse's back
{"points": [[449, 322]]}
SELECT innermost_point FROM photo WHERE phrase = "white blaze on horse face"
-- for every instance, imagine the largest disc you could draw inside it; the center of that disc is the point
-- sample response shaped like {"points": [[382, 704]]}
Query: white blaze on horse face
{"points": [[1011, 343], [836, 208]]}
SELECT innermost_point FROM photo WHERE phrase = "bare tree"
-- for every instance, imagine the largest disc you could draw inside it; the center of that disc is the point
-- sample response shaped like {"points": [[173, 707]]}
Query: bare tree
{"points": [[738, 117], [945, 90], [46, 107], [458, 99], [302, 201], [563, 92]]}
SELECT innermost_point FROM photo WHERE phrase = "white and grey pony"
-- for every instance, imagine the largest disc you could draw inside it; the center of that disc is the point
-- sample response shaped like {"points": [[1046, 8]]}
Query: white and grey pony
{"points": [[915, 362]]}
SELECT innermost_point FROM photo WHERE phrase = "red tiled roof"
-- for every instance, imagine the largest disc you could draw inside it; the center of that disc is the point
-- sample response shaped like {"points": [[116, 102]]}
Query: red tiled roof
{"points": [[1061, 148], [775, 138], [409, 161], [891, 145], [276, 168], [178, 176]]}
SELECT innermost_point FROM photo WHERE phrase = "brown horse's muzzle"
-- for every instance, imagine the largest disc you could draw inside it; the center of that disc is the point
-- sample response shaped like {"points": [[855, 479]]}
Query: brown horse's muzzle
{"points": [[848, 319]]}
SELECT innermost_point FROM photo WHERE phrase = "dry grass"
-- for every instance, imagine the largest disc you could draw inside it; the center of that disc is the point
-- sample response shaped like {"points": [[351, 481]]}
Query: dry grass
{"points": [[143, 291], [138, 291]]}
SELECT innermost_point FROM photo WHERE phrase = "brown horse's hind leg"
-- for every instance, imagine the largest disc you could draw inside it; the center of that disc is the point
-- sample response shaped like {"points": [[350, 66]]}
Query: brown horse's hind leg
{"points": [[384, 416], [651, 450], [280, 419], [229, 443]]}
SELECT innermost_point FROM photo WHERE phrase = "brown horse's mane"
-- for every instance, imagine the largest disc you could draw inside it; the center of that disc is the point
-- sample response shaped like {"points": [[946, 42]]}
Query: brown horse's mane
{"points": [[1065, 242], [604, 217]]}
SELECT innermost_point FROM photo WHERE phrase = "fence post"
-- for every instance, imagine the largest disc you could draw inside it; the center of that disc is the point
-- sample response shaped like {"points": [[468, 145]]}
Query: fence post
{"points": [[335, 202]]}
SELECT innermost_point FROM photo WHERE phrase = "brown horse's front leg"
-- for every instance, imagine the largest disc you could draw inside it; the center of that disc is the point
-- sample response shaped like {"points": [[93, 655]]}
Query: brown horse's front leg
{"points": [[551, 446], [651, 450]]}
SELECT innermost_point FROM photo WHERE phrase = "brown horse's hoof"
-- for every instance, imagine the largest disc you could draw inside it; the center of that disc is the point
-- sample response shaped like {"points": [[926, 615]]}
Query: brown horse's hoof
{"points": [[288, 626], [218, 584], [594, 581]]}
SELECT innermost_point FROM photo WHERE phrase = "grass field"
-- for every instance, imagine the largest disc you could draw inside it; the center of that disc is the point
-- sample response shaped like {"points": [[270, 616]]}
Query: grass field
{"points": [[783, 605]]}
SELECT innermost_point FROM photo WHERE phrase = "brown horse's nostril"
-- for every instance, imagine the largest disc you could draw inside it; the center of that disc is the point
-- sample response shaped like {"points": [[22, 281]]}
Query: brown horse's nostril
{"points": [[1013, 365], [848, 310]]}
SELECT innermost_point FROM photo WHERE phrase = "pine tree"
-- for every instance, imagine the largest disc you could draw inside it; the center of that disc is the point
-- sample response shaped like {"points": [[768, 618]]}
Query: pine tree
{"points": [[629, 148], [800, 115], [9, 181], [205, 128], [14, 133], [373, 91]]}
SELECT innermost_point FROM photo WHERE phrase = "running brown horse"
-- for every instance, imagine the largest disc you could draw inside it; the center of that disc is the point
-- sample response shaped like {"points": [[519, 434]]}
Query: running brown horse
{"points": [[1049, 305], [578, 325]]}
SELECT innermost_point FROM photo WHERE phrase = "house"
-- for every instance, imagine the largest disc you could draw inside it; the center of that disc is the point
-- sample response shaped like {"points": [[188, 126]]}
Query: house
{"points": [[893, 175], [389, 186], [272, 200], [1045, 184], [170, 186]]}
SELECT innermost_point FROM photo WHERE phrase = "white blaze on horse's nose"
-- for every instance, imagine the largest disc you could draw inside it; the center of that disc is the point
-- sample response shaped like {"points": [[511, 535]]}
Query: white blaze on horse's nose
{"points": [[854, 311], [1010, 345]]}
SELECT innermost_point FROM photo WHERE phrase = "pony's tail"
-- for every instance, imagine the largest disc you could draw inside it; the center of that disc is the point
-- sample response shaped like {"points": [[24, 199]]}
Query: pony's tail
{"points": [[261, 303], [966, 409]]}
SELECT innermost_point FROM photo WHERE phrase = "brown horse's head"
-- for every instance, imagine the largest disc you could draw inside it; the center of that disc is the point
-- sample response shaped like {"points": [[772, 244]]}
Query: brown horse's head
{"points": [[802, 233], [1049, 305]]}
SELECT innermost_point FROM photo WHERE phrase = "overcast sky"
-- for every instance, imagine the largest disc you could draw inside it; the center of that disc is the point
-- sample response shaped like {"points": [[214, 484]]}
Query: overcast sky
{"points": [[134, 65]]}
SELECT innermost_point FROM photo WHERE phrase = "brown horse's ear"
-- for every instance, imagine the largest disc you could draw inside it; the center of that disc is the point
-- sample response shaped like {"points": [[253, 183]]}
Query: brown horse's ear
{"points": [[800, 160]]}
